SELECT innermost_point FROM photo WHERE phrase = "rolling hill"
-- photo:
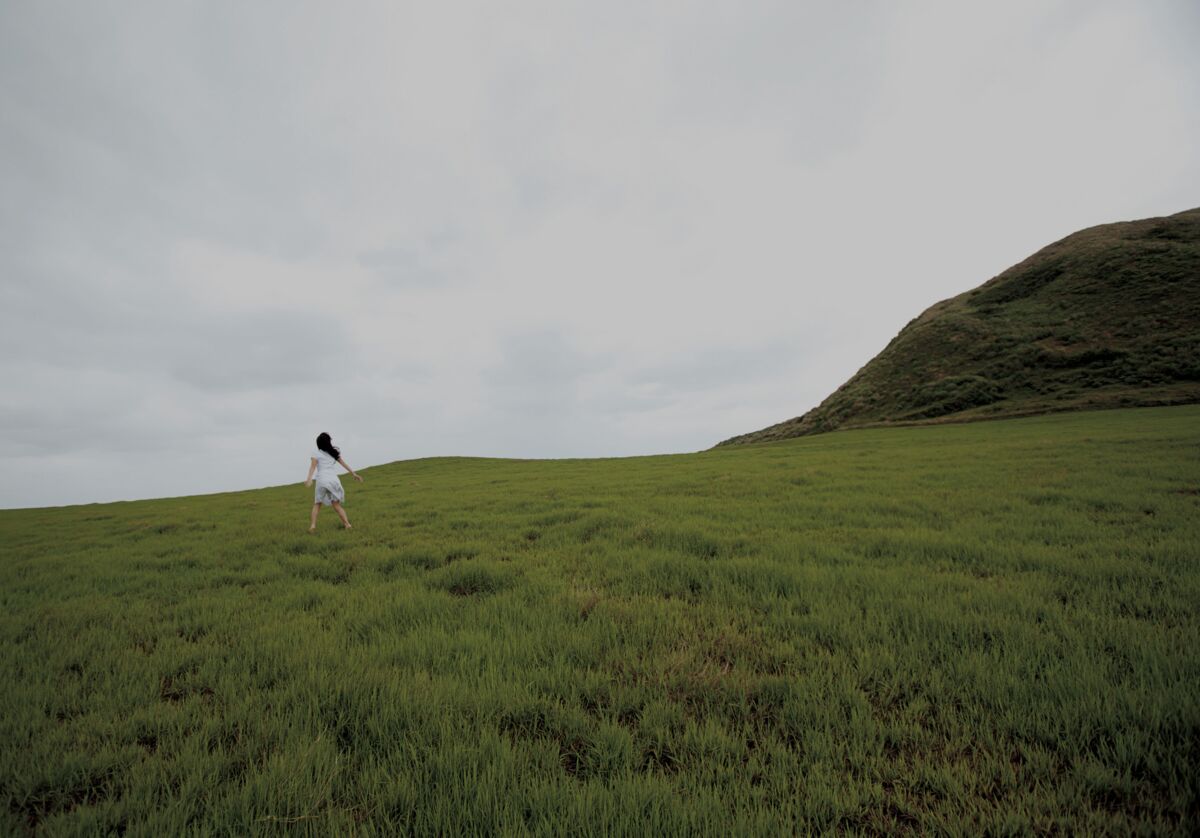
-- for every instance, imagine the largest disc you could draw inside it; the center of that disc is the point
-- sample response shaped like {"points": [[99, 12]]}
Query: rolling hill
{"points": [[1107, 317], [979, 629]]}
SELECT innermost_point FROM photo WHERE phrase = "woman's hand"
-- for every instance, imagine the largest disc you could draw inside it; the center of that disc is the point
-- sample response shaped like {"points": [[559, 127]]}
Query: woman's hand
{"points": [[358, 477], [307, 483]]}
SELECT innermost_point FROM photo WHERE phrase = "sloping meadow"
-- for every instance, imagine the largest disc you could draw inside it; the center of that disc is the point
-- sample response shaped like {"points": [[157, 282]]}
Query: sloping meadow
{"points": [[979, 627]]}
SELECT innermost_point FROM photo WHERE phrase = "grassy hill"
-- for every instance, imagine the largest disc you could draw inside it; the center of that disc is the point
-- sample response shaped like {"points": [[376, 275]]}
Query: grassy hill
{"points": [[983, 628], [1107, 317]]}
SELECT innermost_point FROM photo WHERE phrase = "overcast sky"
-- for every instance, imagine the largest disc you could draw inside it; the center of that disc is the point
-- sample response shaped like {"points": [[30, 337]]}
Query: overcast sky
{"points": [[524, 229]]}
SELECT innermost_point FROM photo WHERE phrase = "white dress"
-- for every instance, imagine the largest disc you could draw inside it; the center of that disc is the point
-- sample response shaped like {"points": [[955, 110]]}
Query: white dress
{"points": [[329, 487]]}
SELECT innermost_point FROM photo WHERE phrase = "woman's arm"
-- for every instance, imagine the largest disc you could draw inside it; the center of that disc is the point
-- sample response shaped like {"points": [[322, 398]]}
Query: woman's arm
{"points": [[311, 468], [347, 468]]}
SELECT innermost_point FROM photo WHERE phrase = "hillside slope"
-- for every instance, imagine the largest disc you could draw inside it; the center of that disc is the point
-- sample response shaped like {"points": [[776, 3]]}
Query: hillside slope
{"points": [[1107, 317]]}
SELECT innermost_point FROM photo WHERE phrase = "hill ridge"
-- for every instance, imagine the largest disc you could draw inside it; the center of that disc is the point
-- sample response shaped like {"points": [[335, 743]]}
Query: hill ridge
{"points": [[1108, 316]]}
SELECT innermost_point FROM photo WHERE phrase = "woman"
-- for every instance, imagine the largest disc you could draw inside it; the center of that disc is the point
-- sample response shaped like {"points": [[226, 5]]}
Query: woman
{"points": [[329, 488]]}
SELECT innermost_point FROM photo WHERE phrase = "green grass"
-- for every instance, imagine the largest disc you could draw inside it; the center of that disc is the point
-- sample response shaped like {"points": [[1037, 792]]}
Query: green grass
{"points": [[971, 628]]}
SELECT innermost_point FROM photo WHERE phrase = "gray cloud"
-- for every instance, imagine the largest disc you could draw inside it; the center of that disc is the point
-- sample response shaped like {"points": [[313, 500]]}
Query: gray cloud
{"points": [[261, 351], [530, 229], [715, 368], [403, 267]]}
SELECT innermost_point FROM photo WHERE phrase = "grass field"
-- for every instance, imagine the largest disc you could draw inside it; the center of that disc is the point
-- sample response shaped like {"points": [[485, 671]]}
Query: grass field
{"points": [[988, 627]]}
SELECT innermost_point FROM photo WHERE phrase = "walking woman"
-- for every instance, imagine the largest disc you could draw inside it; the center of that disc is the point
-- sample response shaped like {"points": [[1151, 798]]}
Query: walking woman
{"points": [[325, 461]]}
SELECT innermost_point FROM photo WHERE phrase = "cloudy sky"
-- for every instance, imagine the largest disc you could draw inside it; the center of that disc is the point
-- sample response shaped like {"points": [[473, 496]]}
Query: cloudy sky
{"points": [[524, 229]]}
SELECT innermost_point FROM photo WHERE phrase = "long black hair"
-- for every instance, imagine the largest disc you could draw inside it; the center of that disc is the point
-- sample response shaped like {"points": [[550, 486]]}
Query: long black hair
{"points": [[326, 444]]}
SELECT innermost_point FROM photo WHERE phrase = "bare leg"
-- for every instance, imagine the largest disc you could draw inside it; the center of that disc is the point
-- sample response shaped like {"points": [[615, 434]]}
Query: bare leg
{"points": [[312, 527], [337, 507]]}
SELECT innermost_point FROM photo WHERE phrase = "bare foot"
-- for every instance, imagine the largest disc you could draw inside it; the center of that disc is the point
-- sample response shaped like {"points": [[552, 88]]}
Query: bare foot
{"points": [[312, 530], [347, 527]]}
